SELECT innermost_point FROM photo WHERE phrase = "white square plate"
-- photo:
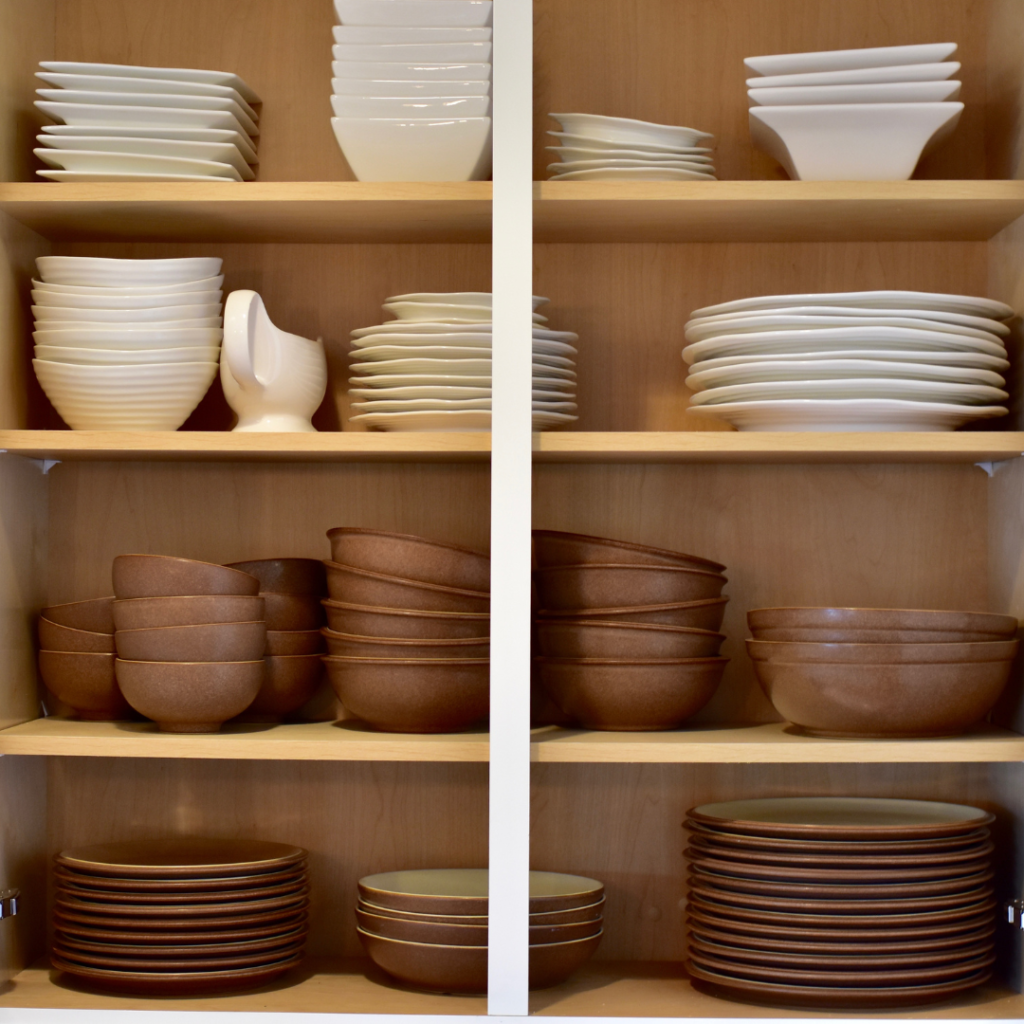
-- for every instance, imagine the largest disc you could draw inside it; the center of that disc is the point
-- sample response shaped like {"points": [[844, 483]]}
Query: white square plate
{"points": [[844, 60], [903, 73], [238, 139], [220, 152], [93, 116], [138, 71], [99, 162]]}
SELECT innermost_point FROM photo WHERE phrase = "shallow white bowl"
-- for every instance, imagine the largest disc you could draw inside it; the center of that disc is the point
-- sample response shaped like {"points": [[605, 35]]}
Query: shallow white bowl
{"points": [[386, 149], [418, 72], [410, 34], [208, 284], [104, 162], [627, 164], [484, 299], [427, 106], [886, 75], [419, 13], [124, 357], [627, 130], [136, 339], [407, 88], [155, 314], [893, 92], [847, 60], [96, 270], [694, 155], [438, 312], [634, 174], [657, 149], [45, 297], [408, 53], [198, 323]]}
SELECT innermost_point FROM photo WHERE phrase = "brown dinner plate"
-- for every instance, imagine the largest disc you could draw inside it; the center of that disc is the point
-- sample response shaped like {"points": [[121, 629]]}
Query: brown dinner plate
{"points": [[206, 949], [78, 905], [150, 924], [232, 962], [162, 937], [183, 898], [106, 883]]}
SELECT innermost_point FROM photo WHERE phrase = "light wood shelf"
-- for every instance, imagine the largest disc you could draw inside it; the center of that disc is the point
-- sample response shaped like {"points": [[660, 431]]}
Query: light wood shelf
{"points": [[774, 211], [260, 211]]}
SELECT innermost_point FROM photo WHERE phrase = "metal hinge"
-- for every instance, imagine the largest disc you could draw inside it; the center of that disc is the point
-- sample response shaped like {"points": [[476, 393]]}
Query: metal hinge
{"points": [[1015, 913], [9, 903]]}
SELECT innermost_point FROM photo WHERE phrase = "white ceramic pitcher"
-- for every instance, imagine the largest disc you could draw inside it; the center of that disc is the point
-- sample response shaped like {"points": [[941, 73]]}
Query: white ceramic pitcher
{"points": [[274, 381]]}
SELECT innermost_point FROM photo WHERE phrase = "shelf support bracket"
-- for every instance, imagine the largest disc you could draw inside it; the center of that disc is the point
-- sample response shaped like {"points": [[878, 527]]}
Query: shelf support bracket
{"points": [[45, 464]]}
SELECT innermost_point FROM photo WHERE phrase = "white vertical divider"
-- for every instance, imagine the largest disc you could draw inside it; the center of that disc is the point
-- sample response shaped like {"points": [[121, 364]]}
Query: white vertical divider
{"points": [[511, 508]]}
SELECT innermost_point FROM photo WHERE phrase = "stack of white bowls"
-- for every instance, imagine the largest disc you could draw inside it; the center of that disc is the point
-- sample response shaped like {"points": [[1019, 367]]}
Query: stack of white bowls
{"points": [[122, 122], [592, 147], [431, 368], [883, 360], [411, 83], [126, 344], [853, 115]]}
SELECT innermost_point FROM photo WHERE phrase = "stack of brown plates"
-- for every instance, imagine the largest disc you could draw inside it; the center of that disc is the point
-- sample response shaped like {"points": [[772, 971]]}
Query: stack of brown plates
{"points": [[840, 902], [180, 916]]}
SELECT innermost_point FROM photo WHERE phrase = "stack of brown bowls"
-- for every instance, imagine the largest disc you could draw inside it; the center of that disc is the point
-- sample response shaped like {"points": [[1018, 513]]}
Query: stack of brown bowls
{"points": [[627, 633], [429, 928], [840, 903], [408, 630], [881, 672], [180, 917], [190, 640], [76, 658], [292, 589]]}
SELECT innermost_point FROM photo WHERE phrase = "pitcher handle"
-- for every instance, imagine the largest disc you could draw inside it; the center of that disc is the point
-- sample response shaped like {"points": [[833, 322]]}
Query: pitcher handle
{"points": [[240, 321]]}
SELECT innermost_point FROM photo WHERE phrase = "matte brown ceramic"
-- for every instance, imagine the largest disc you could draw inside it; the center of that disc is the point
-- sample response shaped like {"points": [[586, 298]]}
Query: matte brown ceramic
{"points": [[171, 886], [93, 616], [198, 610], [220, 641], [189, 950], [593, 912], [596, 638], [386, 647], [690, 614], [883, 700], [356, 586], [287, 575], [121, 962], [85, 682], [882, 618], [166, 576], [410, 557], [631, 695], [294, 641], [610, 586], [552, 548], [292, 613], [405, 623], [289, 681], [843, 635], [188, 696], [882, 654], [552, 963], [410, 695], [53, 637], [160, 937]]}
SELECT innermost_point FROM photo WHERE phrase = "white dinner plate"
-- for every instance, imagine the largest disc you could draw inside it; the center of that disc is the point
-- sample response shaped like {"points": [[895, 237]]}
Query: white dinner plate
{"points": [[402, 381], [90, 176], [634, 174], [617, 164], [411, 312], [939, 357], [448, 392], [99, 162], [853, 387], [589, 142], [168, 74], [867, 92], [451, 367], [44, 297], [467, 420], [101, 115], [629, 130], [857, 414], [207, 284], [384, 353], [446, 327], [220, 152], [483, 299], [846, 60], [449, 405], [693, 156], [698, 330], [474, 340], [410, 34], [902, 73], [888, 299], [219, 135]]}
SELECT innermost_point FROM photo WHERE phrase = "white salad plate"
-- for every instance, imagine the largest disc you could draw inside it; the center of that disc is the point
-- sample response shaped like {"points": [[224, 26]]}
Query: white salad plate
{"points": [[450, 368], [591, 142], [853, 387], [443, 391], [408, 53], [846, 60], [154, 314], [402, 381], [418, 13], [208, 284], [571, 153], [222, 136], [628, 130], [618, 163], [402, 106], [45, 297], [224, 78], [102, 270], [466, 420], [219, 152], [410, 34], [634, 174], [100, 162], [463, 342], [90, 176], [448, 327], [420, 71], [698, 330], [856, 414], [902, 73], [890, 92], [415, 312], [125, 357], [962, 360], [485, 299], [94, 336], [102, 115], [205, 322], [375, 87], [450, 405], [381, 353]]}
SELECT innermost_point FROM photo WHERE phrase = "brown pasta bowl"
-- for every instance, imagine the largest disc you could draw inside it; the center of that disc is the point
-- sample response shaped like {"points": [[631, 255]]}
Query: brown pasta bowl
{"points": [[607, 586], [167, 576], [843, 635], [405, 623], [294, 641], [288, 682], [292, 613], [359, 586], [392, 647], [92, 616], [597, 638], [287, 575], [1001, 626], [188, 610], [85, 682], [554, 548], [220, 641], [882, 654], [54, 637], [706, 614]]}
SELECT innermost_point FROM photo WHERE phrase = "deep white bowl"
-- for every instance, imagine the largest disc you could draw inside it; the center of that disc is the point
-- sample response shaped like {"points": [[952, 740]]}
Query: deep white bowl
{"points": [[628, 130], [394, 106], [417, 72], [407, 53], [424, 13], [95, 270], [410, 87], [125, 357], [410, 34]]}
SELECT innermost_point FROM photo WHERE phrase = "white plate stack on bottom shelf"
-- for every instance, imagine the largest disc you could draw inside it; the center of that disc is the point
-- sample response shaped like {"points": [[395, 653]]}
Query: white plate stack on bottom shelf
{"points": [[592, 147], [126, 344], [853, 115], [880, 360], [128, 123], [431, 368], [411, 89]]}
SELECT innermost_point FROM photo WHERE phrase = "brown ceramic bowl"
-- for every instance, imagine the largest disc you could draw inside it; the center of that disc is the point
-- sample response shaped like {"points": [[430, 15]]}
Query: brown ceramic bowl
{"points": [[410, 557], [596, 638], [53, 637], [634, 695], [553, 548], [294, 641], [292, 613], [198, 610], [593, 912], [609, 586], [85, 682], [405, 623], [93, 616], [189, 696], [552, 963], [882, 618], [842, 635], [166, 576], [413, 695], [357, 586], [287, 575], [690, 614], [882, 654], [219, 641], [387, 647], [289, 681]]}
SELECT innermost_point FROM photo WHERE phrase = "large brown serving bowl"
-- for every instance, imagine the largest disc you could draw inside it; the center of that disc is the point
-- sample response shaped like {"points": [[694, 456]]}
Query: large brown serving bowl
{"points": [[187, 610], [288, 682], [608, 586], [167, 576], [553, 548], [287, 575], [632, 695], [597, 638], [392, 647], [688, 614], [842, 635], [405, 623], [85, 682], [93, 616], [358, 586], [219, 641], [999, 626], [294, 641], [415, 558], [292, 613], [54, 637], [882, 654], [184, 696], [413, 695]]}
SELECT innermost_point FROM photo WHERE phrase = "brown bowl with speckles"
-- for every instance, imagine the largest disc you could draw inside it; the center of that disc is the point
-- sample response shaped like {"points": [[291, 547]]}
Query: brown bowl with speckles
{"points": [[553, 548], [597, 638], [188, 610], [391, 647], [405, 623], [608, 586], [94, 616], [882, 654], [287, 575], [1000, 626], [167, 576], [690, 614], [283, 642], [592, 912], [842, 635], [358, 586], [54, 637], [219, 641], [288, 682], [292, 613], [85, 682]]}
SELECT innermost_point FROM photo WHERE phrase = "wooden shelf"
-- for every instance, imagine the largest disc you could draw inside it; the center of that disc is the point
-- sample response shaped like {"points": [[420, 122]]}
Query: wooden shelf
{"points": [[261, 211], [774, 211]]}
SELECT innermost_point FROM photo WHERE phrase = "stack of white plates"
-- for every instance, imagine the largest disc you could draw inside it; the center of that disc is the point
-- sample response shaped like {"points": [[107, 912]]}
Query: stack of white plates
{"points": [[431, 368], [592, 147], [125, 123], [411, 83], [883, 360], [853, 115], [126, 344]]}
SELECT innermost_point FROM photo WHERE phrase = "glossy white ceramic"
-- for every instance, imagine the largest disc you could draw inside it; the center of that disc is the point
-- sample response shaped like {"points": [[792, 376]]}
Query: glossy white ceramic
{"points": [[416, 343], [103, 115], [634, 174], [225, 78], [443, 391], [391, 353], [431, 312], [895, 92], [853, 387], [463, 298], [43, 296], [219, 135], [445, 326], [100, 270], [100, 161], [627, 130], [410, 34], [903, 73], [418, 71], [424, 13], [693, 155], [844, 60], [435, 368], [409, 53], [628, 164], [407, 107], [449, 405], [204, 322], [406, 89], [129, 338], [698, 330], [456, 421], [84, 177], [938, 358], [592, 142], [220, 152], [123, 357], [207, 284], [45, 315]]}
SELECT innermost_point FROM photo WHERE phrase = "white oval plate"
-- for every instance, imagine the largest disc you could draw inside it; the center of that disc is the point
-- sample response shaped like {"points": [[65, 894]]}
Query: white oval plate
{"points": [[410, 34], [451, 420], [634, 174], [239, 140], [847, 60], [218, 152], [940, 357], [103, 271], [450, 367], [898, 73], [588, 142], [693, 156], [446, 327], [447, 392], [482, 299], [699, 330], [97, 115], [853, 387], [868, 92], [618, 164], [433, 312], [208, 284], [443, 405], [167, 74], [546, 385], [101, 162], [628, 130]]}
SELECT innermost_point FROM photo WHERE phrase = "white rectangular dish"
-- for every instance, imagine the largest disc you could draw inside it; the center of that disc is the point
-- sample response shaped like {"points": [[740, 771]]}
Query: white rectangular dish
{"points": [[843, 60], [239, 140], [220, 152], [893, 92], [903, 73], [71, 67], [91, 115], [415, 13]]}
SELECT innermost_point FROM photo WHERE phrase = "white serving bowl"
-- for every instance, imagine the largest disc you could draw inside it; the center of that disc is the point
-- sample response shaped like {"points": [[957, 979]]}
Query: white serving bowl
{"points": [[45, 297], [394, 106], [407, 88], [407, 149], [627, 130], [134, 338], [410, 34], [484, 299], [155, 314], [892, 92], [99, 271], [862, 76], [849, 60], [856, 142], [124, 357], [415, 13], [408, 53], [417, 72], [208, 284]]}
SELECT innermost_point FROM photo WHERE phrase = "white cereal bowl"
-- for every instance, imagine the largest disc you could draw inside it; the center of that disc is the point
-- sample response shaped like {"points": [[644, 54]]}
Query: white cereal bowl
{"points": [[415, 13], [431, 53], [95, 270], [653, 148], [418, 71], [410, 34], [850, 60], [855, 142], [424, 106], [98, 291], [135, 338], [406, 89], [155, 314], [45, 297], [412, 149], [627, 130], [124, 357], [890, 92]]}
